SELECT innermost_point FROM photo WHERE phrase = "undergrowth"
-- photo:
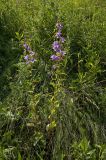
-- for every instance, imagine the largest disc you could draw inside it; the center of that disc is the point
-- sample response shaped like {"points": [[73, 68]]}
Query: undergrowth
{"points": [[52, 109]]}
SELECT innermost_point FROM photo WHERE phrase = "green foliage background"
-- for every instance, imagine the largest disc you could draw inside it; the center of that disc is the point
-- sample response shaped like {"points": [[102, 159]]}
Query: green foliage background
{"points": [[48, 114]]}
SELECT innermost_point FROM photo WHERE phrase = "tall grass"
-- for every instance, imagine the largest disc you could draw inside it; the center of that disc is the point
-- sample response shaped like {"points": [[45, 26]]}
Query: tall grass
{"points": [[53, 113]]}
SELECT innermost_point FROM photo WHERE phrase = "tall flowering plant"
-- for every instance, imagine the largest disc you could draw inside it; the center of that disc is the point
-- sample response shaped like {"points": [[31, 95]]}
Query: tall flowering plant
{"points": [[58, 78], [58, 44], [29, 55]]}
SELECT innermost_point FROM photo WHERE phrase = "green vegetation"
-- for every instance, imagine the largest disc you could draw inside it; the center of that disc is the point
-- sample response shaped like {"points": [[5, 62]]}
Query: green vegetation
{"points": [[53, 110]]}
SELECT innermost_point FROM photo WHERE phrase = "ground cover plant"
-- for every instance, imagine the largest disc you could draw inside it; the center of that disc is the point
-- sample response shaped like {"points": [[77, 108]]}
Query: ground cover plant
{"points": [[52, 80]]}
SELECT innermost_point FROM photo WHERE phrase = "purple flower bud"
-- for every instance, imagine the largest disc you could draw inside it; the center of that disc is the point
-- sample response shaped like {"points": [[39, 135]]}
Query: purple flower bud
{"points": [[32, 53], [56, 46], [62, 39], [32, 60], [58, 34], [26, 47], [63, 53], [59, 26], [26, 57], [27, 62], [55, 58]]}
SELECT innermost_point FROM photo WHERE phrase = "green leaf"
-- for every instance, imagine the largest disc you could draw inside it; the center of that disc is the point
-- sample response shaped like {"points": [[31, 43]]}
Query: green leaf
{"points": [[51, 125], [19, 156], [84, 144]]}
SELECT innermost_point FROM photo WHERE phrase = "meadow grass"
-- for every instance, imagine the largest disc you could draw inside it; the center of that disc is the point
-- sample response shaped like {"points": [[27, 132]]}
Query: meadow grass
{"points": [[52, 110]]}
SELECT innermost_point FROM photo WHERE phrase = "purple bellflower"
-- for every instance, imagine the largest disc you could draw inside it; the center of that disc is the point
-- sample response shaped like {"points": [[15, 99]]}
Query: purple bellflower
{"points": [[32, 53], [56, 46], [27, 48], [59, 26], [32, 60], [62, 39], [55, 58], [26, 57], [30, 57], [58, 34], [63, 53]]}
